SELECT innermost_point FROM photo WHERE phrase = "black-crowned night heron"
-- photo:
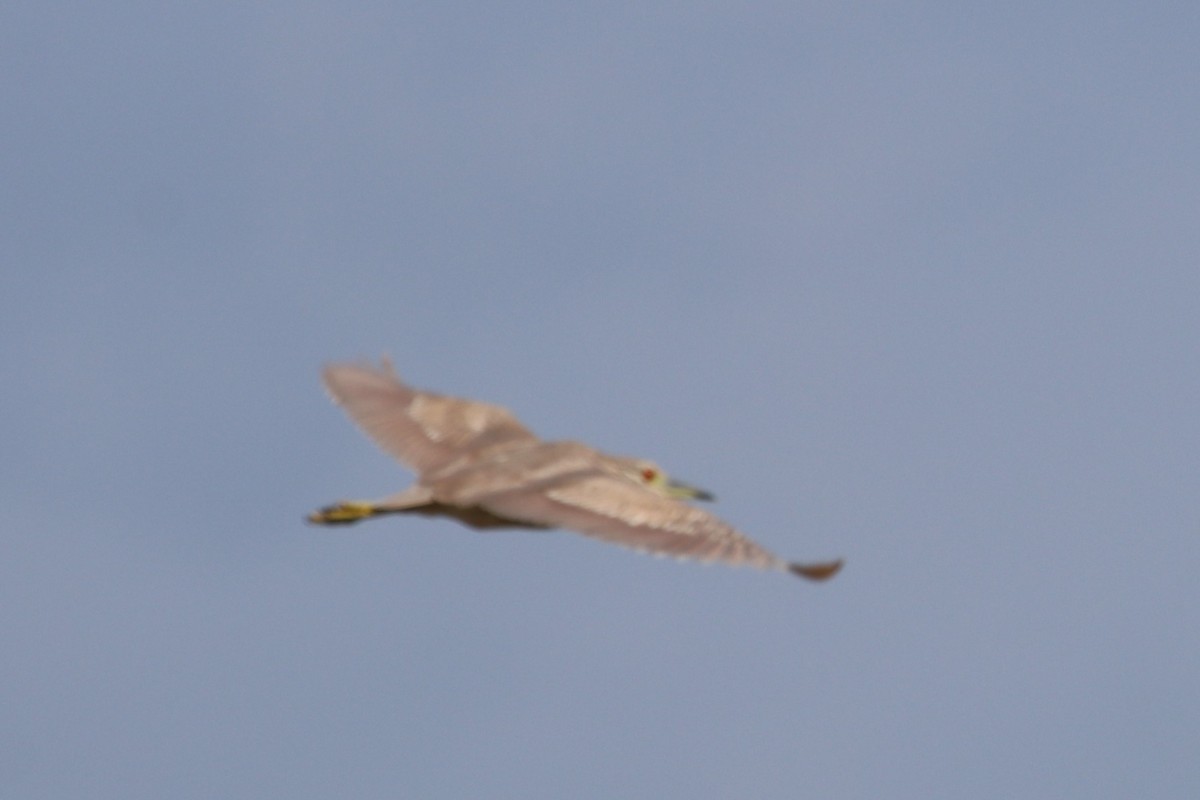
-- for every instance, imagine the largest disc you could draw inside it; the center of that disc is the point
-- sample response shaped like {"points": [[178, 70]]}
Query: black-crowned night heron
{"points": [[476, 463]]}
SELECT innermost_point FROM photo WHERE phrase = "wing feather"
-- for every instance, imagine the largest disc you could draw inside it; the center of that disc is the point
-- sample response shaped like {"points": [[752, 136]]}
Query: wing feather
{"points": [[422, 429], [606, 507]]}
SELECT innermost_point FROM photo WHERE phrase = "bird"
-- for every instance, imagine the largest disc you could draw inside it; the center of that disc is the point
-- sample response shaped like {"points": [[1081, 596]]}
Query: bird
{"points": [[477, 464]]}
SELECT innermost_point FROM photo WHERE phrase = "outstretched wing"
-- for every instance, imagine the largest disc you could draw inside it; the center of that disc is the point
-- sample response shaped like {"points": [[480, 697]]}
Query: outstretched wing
{"points": [[423, 430], [604, 506]]}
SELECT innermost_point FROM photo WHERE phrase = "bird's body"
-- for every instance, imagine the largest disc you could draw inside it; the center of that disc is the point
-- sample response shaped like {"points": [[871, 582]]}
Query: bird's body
{"points": [[477, 464]]}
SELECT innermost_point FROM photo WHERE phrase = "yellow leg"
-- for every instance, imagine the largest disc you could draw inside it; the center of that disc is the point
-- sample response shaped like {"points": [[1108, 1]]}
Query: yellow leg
{"points": [[343, 513]]}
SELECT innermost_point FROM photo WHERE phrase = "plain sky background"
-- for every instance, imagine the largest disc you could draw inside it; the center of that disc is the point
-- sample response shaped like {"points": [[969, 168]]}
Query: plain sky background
{"points": [[917, 284]]}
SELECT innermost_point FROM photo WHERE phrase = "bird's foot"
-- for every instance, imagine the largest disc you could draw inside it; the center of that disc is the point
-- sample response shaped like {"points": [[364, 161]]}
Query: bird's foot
{"points": [[344, 513]]}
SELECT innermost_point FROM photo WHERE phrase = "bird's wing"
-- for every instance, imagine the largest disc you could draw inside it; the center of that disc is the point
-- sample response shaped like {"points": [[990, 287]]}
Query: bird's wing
{"points": [[421, 429], [605, 506]]}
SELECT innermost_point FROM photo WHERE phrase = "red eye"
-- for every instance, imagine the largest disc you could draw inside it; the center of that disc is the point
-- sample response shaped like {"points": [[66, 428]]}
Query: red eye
{"points": [[649, 474]]}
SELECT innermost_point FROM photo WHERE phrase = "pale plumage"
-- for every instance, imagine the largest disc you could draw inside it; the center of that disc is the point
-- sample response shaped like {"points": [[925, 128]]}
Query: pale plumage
{"points": [[477, 464]]}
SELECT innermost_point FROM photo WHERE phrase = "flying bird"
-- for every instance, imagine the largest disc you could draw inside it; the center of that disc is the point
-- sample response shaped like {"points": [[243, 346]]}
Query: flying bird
{"points": [[477, 464]]}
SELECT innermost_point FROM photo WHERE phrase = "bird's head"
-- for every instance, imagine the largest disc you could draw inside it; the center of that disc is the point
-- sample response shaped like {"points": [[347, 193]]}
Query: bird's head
{"points": [[653, 477]]}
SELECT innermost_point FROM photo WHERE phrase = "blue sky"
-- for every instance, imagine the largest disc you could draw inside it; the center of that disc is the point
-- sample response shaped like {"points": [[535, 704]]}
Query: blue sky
{"points": [[915, 285]]}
